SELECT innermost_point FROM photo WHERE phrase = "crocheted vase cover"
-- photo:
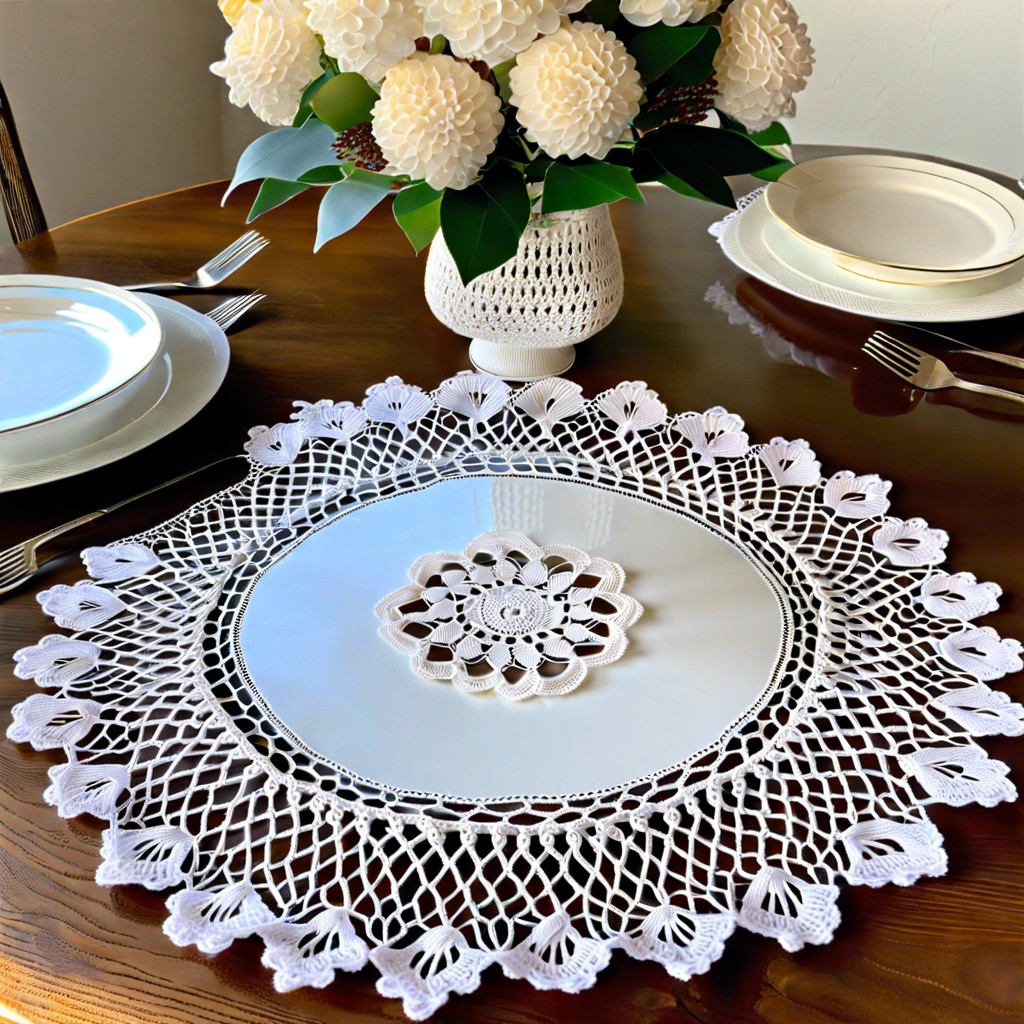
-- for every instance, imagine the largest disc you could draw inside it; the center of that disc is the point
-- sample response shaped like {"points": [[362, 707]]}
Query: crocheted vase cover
{"points": [[871, 714], [564, 284]]}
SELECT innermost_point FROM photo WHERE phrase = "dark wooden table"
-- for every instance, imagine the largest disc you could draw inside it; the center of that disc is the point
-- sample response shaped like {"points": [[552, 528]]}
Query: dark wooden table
{"points": [[947, 950]]}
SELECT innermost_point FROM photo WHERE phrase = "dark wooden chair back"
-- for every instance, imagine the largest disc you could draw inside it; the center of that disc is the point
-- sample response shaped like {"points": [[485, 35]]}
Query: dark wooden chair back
{"points": [[21, 203]]}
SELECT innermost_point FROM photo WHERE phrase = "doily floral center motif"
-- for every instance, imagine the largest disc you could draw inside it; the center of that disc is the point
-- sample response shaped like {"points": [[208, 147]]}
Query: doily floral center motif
{"points": [[510, 616], [512, 611]]}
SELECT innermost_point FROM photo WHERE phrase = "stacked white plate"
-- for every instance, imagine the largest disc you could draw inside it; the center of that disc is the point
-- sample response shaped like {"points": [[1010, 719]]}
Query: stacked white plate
{"points": [[90, 373], [886, 236]]}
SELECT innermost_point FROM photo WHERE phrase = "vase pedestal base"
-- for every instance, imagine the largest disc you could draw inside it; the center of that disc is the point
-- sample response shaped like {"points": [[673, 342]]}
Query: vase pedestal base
{"points": [[516, 363]]}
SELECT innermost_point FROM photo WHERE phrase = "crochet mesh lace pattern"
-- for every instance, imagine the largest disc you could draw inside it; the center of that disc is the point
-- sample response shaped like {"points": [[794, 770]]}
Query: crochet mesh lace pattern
{"points": [[870, 715]]}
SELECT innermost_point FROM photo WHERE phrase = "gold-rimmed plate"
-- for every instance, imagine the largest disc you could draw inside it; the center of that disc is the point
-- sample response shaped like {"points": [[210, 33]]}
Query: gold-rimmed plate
{"points": [[757, 243], [902, 213]]}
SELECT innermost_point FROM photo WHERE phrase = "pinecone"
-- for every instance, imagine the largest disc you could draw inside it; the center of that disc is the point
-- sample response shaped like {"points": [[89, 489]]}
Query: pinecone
{"points": [[684, 104], [358, 145]]}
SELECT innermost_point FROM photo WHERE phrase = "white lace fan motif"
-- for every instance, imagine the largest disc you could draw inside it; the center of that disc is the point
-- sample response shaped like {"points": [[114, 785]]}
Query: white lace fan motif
{"points": [[885, 677]]}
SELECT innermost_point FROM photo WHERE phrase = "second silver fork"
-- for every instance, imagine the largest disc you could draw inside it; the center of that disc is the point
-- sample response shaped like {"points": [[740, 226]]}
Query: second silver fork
{"points": [[963, 346], [233, 309], [924, 371]]}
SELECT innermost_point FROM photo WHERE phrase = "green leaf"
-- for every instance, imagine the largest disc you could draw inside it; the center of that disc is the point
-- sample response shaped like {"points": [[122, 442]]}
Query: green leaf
{"points": [[307, 94], [647, 169], [326, 175], [726, 151], [588, 183], [774, 135], [501, 76], [482, 224], [697, 65], [604, 12], [418, 212], [536, 169], [346, 100], [659, 47], [347, 202], [730, 122], [273, 192], [286, 154], [658, 152], [680, 186]]}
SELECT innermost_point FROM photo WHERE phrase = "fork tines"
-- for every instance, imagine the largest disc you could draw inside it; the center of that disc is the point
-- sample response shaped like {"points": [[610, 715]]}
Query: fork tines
{"points": [[233, 309], [902, 359], [243, 247]]}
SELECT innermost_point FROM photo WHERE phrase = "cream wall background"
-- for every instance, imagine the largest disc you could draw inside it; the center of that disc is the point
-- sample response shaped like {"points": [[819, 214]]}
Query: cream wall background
{"points": [[114, 100], [944, 77]]}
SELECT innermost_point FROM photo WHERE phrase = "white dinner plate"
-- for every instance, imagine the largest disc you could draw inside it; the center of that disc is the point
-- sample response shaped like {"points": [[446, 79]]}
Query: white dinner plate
{"points": [[901, 212], [185, 377], [759, 244], [67, 342], [74, 357]]}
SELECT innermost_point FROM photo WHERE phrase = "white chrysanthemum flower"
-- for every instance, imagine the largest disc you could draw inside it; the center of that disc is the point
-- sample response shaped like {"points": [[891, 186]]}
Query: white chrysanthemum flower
{"points": [[765, 58], [436, 119], [368, 36], [490, 30], [568, 7], [269, 58], [669, 12], [576, 90]]}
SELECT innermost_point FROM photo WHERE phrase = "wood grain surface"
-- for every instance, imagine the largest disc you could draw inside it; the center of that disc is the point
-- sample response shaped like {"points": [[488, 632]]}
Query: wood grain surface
{"points": [[949, 951]]}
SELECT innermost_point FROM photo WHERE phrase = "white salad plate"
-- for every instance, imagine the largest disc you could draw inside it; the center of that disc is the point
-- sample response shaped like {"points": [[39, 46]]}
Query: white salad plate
{"points": [[901, 213], [74, 356], [759, 244], [186, 375]]}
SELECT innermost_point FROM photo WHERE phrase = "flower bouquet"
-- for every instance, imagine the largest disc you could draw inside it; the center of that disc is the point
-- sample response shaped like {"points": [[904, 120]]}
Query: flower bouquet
{"points": [[481, 114]]}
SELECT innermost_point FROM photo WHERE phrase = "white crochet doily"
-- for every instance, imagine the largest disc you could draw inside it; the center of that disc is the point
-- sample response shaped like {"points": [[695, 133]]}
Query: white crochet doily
{"points": [[870, 716], [510, 616]]}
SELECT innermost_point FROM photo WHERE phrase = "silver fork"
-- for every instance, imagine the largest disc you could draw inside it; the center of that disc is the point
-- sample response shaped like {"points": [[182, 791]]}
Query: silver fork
{"points": [[21, 562], [963, 346], [215, 270], [925, 371], [233, 309]]}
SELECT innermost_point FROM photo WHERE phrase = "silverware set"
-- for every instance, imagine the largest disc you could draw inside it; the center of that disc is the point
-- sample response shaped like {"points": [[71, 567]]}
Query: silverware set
{"points": [[21, 562], [929, 373]]}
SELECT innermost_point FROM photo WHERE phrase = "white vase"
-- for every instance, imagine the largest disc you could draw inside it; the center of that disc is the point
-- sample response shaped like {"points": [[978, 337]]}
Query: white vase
{"points": [[563, 285]]}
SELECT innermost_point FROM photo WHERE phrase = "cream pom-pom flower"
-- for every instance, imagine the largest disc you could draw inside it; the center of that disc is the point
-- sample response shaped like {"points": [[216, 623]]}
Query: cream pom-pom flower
{"points": [[765, 58], [269, 58], [576, 90], [436, 119], [368, 36], [490, 30], [669, 12]]}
